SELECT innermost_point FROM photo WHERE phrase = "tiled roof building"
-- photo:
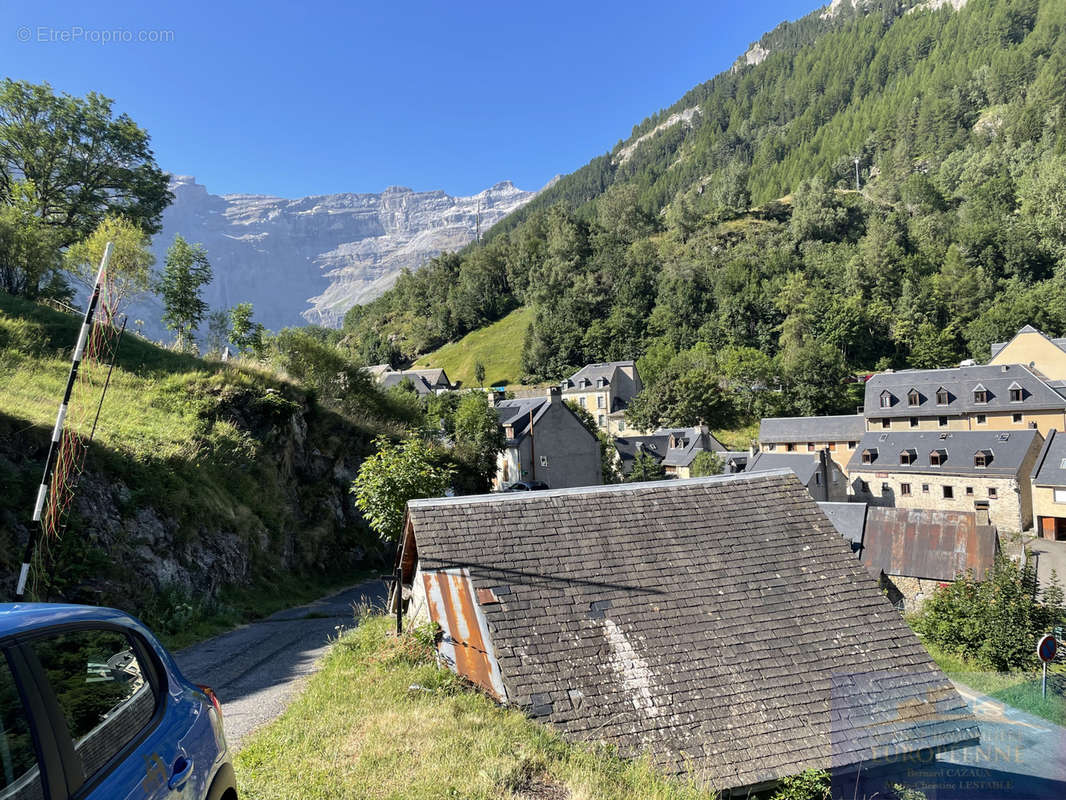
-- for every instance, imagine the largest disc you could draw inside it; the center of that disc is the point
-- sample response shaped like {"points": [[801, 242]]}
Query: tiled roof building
{"points": [[721, 625]]}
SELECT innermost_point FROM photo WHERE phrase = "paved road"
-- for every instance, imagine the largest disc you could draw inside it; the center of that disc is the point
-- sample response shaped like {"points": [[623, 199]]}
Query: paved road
{"points": [[256, 670], [1050, 555], [1020, 757]]}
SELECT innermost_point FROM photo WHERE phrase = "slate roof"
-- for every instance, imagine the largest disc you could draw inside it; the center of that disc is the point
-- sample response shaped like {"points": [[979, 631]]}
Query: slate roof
{"points": [[654, 445], [591, 372], [804, 465], [960, 383], [1050, 466], [390, 379], [1008, 449], [920, 543], [516, 413], [719, 624], [997, 346], [842, 428], [849, 519], [657, 445]]}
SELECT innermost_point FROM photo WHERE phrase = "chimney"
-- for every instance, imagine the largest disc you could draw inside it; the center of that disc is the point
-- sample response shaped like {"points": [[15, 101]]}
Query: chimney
{"points": [[555, 394], [753, 449]]}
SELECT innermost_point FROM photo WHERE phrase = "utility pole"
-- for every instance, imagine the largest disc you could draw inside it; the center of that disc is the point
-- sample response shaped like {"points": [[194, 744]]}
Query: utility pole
{"points": [[856, 174]]}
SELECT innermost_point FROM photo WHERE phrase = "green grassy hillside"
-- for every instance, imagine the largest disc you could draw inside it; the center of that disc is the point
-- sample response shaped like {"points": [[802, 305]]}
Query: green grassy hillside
{"points": [[204, 478], [497, 346]]}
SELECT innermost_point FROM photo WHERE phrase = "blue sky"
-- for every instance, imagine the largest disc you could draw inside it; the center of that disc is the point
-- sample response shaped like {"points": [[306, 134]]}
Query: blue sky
{"points": [[269, 98]]}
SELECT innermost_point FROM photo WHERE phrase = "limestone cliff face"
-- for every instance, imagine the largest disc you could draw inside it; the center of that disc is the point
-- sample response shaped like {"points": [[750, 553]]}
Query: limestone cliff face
{"points": [[311, 259]]}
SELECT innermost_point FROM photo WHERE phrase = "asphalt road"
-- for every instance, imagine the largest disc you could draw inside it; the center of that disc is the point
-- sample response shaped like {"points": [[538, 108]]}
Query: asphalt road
{"points": [[256, 670]]}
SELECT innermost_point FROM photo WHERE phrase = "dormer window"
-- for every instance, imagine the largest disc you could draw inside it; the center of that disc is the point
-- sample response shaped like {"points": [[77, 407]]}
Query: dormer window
{"points": [[886, 399], [869, 456], [913, 398], [1015, 392], [908, 456], [601, 382], [980, 394], [982, 458], [938, 457], [942, 398]]}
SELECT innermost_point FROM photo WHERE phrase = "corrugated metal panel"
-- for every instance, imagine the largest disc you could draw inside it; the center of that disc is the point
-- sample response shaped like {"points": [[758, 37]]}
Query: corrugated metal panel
{"points": [[938, 545], [466, 645]]}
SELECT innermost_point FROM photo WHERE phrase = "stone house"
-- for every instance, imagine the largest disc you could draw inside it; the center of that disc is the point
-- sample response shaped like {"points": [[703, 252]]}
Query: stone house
{"points": [[674, 448], [605, 390], [997, 397], [424, 381], [1048, 481], [545, 441], [837, 434], [639, 615], [1042, 354], [949, 471], [912, 551], [818, 473]]}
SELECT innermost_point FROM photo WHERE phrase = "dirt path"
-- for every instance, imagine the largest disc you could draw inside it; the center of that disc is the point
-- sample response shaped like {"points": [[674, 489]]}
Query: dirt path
{"points": [[256, 670]]}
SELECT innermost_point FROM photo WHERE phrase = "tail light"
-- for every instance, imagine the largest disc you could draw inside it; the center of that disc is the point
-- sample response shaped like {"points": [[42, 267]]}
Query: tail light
{"points": [[212, 697]]}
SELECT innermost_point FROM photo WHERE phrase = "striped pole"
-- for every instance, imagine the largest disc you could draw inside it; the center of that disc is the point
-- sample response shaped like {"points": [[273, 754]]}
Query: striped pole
{"points": [[57, 432]]}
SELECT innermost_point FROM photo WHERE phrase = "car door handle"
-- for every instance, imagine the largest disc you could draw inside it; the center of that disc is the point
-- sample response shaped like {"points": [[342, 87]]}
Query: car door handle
{"points": [[182, 771]]}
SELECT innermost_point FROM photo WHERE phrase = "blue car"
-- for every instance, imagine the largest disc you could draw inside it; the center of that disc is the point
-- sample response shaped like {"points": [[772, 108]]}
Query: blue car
{"points": [[93, 707]]}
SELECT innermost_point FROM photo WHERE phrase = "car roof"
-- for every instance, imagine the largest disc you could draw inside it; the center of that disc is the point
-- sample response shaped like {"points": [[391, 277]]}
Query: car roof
{"points": [[23, 617]]}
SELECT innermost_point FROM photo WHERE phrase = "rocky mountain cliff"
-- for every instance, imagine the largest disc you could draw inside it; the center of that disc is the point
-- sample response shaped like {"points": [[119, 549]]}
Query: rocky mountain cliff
{"points": [[313, 258]]}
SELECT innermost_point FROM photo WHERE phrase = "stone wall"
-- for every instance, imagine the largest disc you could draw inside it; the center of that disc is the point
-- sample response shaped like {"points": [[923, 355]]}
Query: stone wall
{"points": [[911, 592]]}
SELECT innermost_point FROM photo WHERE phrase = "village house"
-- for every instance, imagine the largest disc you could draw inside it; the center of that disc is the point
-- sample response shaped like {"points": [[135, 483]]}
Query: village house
{"points": [[912, 552], [818, 473], [604, 390], [1043, 355], [545, 441], [949, 471], [424, 381], [997, 397], [849, 519], [837, 434], [674, 448], [638, 615], [1049, 488]]}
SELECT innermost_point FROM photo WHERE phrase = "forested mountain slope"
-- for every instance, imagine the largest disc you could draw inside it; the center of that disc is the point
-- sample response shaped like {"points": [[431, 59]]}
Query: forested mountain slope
{"points": [[732, 242]]}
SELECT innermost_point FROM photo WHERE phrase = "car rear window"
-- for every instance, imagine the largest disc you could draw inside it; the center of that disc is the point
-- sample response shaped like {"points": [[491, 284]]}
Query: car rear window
{"points": [[102, 688], [20, 775]]}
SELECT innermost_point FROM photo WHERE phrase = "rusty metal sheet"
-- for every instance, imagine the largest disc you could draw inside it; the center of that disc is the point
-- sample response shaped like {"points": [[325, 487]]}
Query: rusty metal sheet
{"points": [[920, 543], [466, 645]]}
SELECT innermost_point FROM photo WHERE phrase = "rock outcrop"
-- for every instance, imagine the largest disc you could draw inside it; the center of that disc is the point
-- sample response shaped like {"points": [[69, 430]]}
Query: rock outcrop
{"points": [[311, 259]]}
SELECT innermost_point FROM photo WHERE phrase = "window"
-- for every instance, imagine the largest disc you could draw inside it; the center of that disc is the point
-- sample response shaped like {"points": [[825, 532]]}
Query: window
{"points": [[969, 491], [949, 493], [818, 479], [937, 458], [603, 421], [790, 447], [771, 447], [980, 395], [905, 489], [1060, 495], [581, 401], [1016, 394], [886, 400], [865, 487], [942, 398], [851, 445], [20, 777], [106, 710], [868, 456], [914, 422], [810, 447], [913, 398], [544, 461], [1016, 417], [601, 401], [885, 423], [981, 419], [885, 488], [982, 458], [832, 447], [942, 422], [925, 488], [991, 493], [908, 457]]}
